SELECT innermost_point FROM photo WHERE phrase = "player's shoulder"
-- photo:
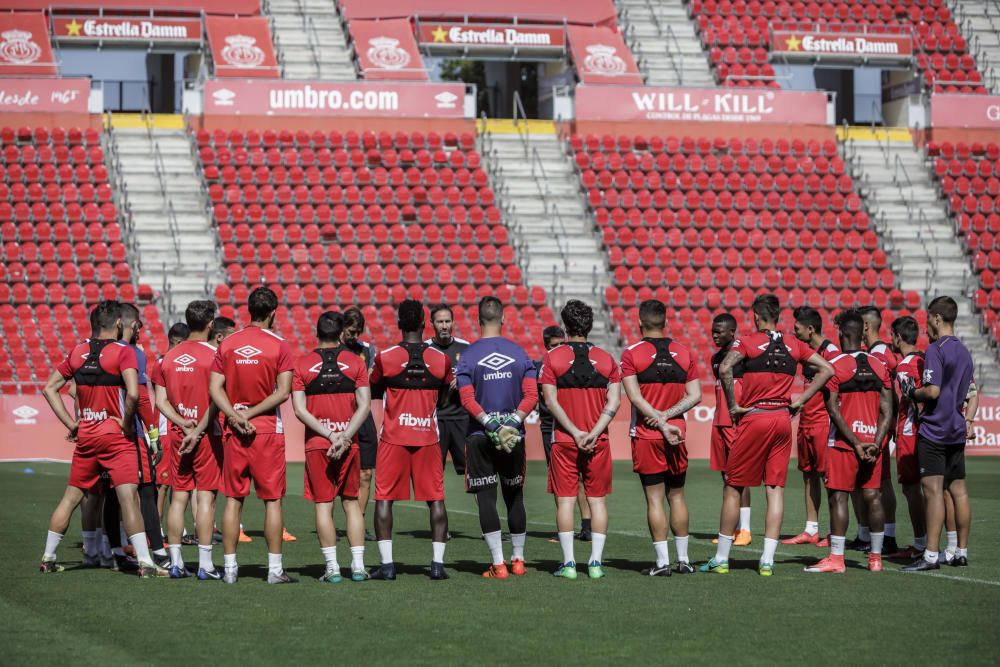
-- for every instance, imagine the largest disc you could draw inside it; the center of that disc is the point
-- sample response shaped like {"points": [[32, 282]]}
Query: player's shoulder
{"points": [[830, 349], [307, 360], [679, 348]]}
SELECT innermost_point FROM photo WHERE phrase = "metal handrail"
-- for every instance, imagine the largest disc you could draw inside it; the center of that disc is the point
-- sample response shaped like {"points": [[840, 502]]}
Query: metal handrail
{"points": [[312, 39]]}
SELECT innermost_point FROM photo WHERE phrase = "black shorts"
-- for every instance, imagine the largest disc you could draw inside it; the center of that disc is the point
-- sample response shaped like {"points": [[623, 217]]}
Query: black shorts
{"points": [[547, 434], [368, 443], [486, 465], [452, 434], [937, 459], [665, 478]]}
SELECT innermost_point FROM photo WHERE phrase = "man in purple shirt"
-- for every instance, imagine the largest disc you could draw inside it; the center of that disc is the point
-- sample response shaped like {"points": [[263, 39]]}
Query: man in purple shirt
{"points": [[942, 435]]}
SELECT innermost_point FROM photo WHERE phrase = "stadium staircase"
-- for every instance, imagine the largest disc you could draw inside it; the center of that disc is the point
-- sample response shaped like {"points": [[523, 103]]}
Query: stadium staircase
{"points": [[980, 22], [665, 44], [904, 200], [167, 202], [310, 39], [534, 176]]}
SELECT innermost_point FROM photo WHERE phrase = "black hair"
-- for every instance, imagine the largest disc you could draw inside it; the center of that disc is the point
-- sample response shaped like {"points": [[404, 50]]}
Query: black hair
{"points": [[105, 314], [810, 317], [767, 307], [179, 332], [851, 324], [872, 313], [130, 313], [94, 326], [328, 327], [944, 306], [199, 314], [438, 308], [726, 320], [652, 314], [577, 317], [411, 316], [261, 304], [490, 310], [220, 325], [552, 332], [354, 318], [906, 328]]}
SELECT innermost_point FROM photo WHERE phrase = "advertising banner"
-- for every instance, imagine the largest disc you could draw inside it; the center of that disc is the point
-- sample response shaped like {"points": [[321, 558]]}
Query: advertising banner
{"points": [[126, 29], [602, 57], [387, 50], [44, 95], [965, 111], [492, 38], [241, 47], [846, 46], [24, 45]]}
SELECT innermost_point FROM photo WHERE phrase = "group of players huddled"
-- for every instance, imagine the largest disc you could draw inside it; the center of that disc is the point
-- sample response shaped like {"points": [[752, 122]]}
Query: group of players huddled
{"points": [[219, 392]]}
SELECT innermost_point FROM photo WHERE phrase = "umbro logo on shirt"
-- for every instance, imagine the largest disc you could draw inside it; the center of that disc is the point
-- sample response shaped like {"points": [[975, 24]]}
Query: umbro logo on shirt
{"points": [[184, 363], [248, 352], [496, 362]]}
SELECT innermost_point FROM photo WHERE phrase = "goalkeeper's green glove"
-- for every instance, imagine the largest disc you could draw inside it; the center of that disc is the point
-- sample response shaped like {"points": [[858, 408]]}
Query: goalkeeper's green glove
{"points": [[492, 427], [510, 433]]}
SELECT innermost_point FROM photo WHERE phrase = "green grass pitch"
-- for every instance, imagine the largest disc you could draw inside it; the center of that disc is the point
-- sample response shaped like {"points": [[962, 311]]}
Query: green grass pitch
{"points": [[91, 617]]}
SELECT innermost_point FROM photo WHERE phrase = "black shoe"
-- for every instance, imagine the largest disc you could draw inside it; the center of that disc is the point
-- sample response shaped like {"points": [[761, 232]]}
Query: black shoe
{"points": [[858, 544], [583, 535], [684, 567], [162, 561], [959, 561], [657, 571], [889, 546], [369, 537], [447, 536], [125, 564], [505, 537], [437, 571], [921, 565], [385, 571], [189, 540]]}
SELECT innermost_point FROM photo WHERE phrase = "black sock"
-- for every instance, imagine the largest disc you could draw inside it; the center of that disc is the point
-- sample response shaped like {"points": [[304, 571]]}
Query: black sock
{"points": [[112, 517], [584, 525], [150, 517], [489, 518]]}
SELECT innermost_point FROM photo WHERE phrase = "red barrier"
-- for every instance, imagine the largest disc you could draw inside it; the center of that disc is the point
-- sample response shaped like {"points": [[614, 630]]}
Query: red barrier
{"points": [[388, 50], [242, 7], [44, 95], [24, 45], [241, 47], [602, 57], [965, 111], [586, 12], [792, 44]]}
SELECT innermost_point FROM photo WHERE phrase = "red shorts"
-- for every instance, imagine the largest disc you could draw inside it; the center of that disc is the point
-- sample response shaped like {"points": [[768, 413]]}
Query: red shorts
{"points": [[398, 465], [106, 451], [907, 466], [722, 442], [761, 450], [813, 441], [653, 457], [260, 458], [886, 461], [568, 466], [200, 469], [328, 478], [844, 472], [165, 468]]}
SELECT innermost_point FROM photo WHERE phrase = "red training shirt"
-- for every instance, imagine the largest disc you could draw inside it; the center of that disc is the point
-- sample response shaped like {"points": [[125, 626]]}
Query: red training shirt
{"points": [[583, 398], [97, 405], [251, 361], [184, 372], [858, 397], [721, 417], [411, 393], [911, 366], [334, 409], [661, 390], [769, 387], [814, 411]]}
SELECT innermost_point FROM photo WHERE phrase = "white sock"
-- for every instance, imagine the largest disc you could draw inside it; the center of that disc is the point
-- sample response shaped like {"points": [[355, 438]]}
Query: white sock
{"points": [[385, 550], [597, 541], [812, 527], [90, 542], [744, 518], [864, 534], [274, 563], [52, 541], [517, 541], [141, 546], [566, 542], [877, 540], [722, 550], [931, 556], [357, 558], [952, 540], [330, 556], [837, 545], [176, 560], [105, 545], [770, 546], [495, 546], [229, 561], [205, 558], [160, 552], [920, 542], [890, 530], [681, 544], [437, 552], [662, 550], [964, 553]]}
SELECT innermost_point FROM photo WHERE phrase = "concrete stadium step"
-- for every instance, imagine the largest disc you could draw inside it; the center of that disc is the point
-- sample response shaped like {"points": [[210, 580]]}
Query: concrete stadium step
{"points": [[980, 23], [312, 43], [665, 62]]}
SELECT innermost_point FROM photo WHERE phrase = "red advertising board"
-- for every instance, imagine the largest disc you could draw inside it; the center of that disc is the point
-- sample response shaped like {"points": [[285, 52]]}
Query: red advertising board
{"points": [[722, 105], [316, 98], [602, 56], [849, 46], [388, 50], [585, 12], [490, 37], [241, 47], [51, 95], [965, 111], [24, 45], [242, 7], [135, 29]]}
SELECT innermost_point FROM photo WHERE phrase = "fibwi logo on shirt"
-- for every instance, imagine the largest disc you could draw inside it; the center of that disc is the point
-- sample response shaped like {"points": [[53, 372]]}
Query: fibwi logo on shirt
{"points": [[496, 362], [89, 415], [186, 412], [336, 427], [861, 428], [248, 352], [184, 363], [412, 421]]}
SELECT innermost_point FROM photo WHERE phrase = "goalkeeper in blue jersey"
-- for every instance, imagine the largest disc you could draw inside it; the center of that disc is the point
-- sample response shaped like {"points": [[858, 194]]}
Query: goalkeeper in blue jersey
{"points": [[497, 385]]}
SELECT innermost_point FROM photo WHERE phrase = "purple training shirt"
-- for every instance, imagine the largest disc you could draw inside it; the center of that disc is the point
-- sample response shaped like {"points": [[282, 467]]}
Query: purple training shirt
{"points": [[948, 365]]}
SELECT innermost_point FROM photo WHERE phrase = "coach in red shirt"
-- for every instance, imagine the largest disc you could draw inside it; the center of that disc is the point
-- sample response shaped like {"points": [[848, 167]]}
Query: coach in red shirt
{"points": [[763, 442], [581, 384], [251, 378]]}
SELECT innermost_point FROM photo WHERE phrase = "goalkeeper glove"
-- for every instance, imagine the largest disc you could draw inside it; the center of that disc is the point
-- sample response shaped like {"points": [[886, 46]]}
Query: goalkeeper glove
{"points": [[154, 445], [510, 433], [492, 429], [907, 387]]}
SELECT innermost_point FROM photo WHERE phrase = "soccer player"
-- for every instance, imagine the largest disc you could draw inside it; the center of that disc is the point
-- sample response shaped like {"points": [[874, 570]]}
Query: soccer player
{"points": [[723, 429], [182, 382], [661, 379], [354, 326], [911, 367], [859, 403], [107, 391], [177, 334], [763, 442], [222, 328], [413, 378], [453, 420], [331, 396], [581, 385], [251, 378], [814, 425], [943, 431], [498, 387]]}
